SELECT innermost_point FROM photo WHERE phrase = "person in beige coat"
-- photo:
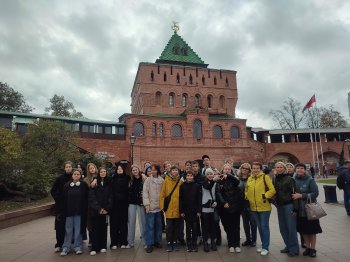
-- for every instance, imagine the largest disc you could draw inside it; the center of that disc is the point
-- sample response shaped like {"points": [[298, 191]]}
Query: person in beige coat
{"points": [[151, 192]]}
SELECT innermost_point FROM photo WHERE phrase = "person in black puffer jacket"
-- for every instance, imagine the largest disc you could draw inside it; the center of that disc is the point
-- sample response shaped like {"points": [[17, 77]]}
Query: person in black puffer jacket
{"points": [[286, 209], [57, 194], [190, 209], [231, 210], [119, 214], [100, 205]]}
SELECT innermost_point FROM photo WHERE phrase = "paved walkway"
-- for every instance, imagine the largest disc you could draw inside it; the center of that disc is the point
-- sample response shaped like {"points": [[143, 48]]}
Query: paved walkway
{"points": [[34, 241]]}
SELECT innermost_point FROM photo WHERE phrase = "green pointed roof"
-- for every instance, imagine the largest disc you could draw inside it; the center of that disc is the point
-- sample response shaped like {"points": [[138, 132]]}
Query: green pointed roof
{"points": [[178, 52]]}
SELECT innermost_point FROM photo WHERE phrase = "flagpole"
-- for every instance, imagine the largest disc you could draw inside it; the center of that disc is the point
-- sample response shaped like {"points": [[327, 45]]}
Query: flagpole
{"points": [[312, 146], [318, 160]]}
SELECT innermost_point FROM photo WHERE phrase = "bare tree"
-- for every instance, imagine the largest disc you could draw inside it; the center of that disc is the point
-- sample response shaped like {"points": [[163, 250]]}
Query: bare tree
{"points": [[330, 117], [289, 116]]}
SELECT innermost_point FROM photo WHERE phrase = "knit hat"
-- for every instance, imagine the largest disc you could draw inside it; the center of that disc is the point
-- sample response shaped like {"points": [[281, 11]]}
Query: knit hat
{"points": [[209, 170], [290, 164]]}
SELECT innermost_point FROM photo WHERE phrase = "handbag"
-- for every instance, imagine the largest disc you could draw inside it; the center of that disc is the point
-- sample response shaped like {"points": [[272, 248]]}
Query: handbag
{"points": [[313, 211], [167, 199]]}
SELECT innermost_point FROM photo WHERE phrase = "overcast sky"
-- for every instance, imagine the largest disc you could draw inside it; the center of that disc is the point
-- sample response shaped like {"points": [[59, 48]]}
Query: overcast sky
{"points": [[89, 51]]}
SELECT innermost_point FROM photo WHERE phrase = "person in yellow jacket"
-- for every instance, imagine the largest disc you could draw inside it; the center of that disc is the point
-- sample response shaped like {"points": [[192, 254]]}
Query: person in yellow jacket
{"points": [[171, 186], [259, 190]]}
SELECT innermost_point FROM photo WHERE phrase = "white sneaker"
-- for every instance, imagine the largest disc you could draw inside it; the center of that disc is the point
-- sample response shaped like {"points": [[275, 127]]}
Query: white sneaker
{"points": [[114, 247], [129, 246], [79, 252], [258, 250], [145, 246], [123, 246], [64, 253], [264, 252], [231, 250], [237, 249], [103, 250], [57, 249], [93, 253]]}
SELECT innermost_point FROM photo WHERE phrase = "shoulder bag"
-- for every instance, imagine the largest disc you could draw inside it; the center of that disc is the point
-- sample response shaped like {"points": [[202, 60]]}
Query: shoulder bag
{"points": [[167, 199], [313, 211]]}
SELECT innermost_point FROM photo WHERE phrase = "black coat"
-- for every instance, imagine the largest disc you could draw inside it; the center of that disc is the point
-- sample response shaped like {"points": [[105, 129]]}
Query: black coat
{"points": [[100, 197], [231, 194], [120, 188], [199, 178], [190, 200], [57, 191], [83, 202]]}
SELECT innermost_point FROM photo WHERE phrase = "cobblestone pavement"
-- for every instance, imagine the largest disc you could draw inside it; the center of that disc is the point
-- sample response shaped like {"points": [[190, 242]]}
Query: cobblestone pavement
{"points": [[34, 241]]}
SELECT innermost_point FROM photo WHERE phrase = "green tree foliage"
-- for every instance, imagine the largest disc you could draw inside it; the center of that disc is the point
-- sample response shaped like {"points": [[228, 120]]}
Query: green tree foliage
{"points": [[11, 100], [289, 116], [47, 145], [61, 107], [10, 157]]}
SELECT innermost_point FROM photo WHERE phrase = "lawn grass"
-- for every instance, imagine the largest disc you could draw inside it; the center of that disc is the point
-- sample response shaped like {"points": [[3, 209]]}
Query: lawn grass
{"points": [[6, 206], [327, 181]]}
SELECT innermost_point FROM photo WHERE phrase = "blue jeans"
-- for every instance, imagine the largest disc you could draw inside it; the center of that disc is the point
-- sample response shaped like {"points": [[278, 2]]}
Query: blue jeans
{"points": [[136, 210], [288, 227], [154, 228], [262, 221], [347, 199], [249, 226], [73, 224]]}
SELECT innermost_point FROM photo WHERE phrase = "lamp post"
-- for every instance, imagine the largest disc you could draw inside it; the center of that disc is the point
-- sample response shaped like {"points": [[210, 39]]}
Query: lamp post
{"points": [[132, 143]]}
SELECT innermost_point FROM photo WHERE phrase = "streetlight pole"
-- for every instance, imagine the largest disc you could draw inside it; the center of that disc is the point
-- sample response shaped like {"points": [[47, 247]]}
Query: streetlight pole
{"points": [[132, 143]]}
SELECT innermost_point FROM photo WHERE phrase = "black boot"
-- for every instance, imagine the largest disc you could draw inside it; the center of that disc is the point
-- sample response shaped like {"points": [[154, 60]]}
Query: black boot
{"points": [[312, 252], [306, 252], [213, 245], [206, 246], [194, 246]]}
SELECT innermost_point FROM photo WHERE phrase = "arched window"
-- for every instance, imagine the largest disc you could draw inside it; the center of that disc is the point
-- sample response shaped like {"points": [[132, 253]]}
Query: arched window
{"points": [[191, 79], [234, 132], [210, 101], [152, 76], [154, 129], [158, 98], [176, 49], [215, 82], [184, 100], [222, 101], [197, 130], [217, 132], [161, 130], [178, 78], [171, 99], [176, 131], [203, 80], [138, 129], [197, 100], [164, 77]]}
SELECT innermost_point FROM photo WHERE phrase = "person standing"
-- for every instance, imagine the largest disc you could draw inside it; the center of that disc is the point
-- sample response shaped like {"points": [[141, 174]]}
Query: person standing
{"points": [[233, 205], [171, 186], [287, 209], [249, 224], [136, 208], [119, 214], [75, 206], [57, 195], [100, 205], [343, 183], [259, 195], [151, 200], [306, 187], [190, 209]]}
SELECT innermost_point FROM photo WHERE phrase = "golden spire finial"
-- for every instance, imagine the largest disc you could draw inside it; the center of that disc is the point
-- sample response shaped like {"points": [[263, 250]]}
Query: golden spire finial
{"points": [[175, 26]]}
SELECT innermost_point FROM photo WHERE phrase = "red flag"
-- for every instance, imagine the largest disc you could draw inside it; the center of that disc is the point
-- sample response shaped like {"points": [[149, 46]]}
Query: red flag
{"points": [[309, 104]]}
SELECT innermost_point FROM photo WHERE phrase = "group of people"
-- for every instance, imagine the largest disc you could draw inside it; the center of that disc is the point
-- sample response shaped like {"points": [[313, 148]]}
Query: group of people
{"points": [[196, 197]]}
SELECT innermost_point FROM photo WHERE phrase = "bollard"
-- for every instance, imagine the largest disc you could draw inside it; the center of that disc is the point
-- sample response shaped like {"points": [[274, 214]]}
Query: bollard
{"points": [[330, 194]]}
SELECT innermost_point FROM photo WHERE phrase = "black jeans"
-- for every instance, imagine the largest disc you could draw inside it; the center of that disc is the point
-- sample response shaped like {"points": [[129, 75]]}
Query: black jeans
{"points": [[231, 223], [119, 224], [249, 225], [208, 226], [60, 227], [98, 233], [172, 229], [191, 231]]}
